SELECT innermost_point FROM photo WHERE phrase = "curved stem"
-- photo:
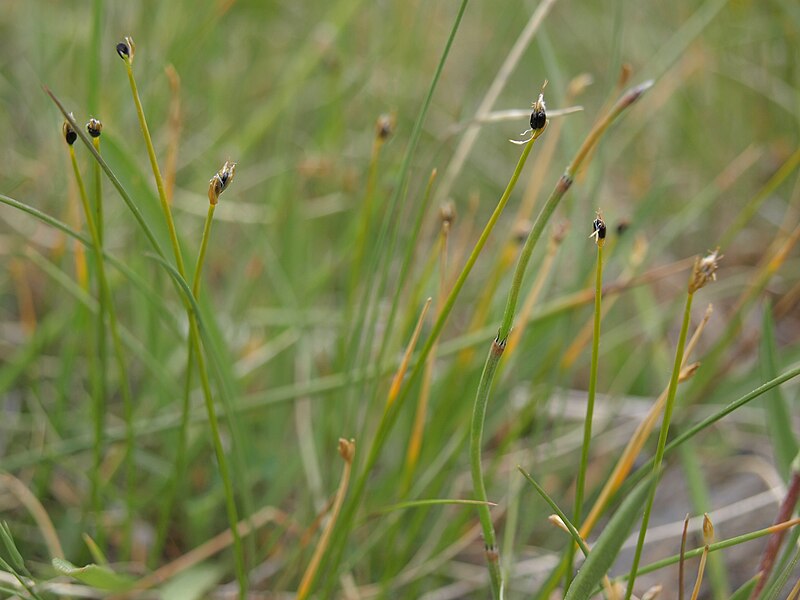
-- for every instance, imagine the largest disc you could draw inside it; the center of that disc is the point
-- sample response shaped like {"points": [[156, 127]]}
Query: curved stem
{"points": [[194, 339], [475, 444]]}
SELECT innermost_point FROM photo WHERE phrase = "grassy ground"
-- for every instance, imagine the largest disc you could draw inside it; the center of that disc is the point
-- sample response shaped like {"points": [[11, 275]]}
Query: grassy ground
{"points": [[320, 259]]}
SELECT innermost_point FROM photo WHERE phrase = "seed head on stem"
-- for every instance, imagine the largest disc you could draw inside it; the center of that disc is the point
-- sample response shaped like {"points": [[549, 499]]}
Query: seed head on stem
{"points": [[94, 127], [69, 133], [599, 230], [705, 270], [220, 181], [126, 49]]}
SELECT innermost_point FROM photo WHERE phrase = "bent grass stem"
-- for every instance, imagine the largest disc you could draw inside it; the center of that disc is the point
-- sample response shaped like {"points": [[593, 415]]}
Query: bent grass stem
{"points": [[194, 337], [499, 343]]}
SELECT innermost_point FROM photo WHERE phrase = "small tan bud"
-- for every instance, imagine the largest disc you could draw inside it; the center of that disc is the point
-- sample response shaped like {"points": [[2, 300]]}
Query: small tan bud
{"points": [[384, 127], [688, 371], [220, 181], [521, 231], [347, 449], [447, 213], [708, 530], [653, 593], [705, 270], [558, 522]]}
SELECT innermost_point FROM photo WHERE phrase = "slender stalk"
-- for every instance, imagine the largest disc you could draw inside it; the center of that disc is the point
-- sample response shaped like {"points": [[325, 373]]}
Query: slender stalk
{"points": [[98, 192], [476, 439], [180, 453], [389, 416], [106, 307], [162, 195], [499, 343], [785, 512], [99, 381], [662, 442], [194, 331], [704, 271], [721, 545], [587, 423], [347, 451]]}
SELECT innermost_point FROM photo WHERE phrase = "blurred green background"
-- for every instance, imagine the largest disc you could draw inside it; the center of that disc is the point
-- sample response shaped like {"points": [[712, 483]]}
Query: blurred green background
{"points": [[299, 307]]}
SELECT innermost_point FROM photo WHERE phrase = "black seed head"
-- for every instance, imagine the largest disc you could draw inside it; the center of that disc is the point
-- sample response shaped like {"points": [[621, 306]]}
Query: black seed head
{"points": [[123, 50], [599, 228], [69, 133], [126, 49], [539, 114], [94, 127]]}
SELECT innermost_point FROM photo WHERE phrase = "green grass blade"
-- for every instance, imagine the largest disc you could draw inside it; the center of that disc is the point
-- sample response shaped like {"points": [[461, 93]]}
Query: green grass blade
{"points": [[605, 550], [779, 422]]}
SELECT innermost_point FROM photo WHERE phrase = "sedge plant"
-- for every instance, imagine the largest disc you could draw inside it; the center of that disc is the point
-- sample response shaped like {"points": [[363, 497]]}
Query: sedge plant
{"points": [[106, 307], [599, 235], [126, 50], [499, 343]]}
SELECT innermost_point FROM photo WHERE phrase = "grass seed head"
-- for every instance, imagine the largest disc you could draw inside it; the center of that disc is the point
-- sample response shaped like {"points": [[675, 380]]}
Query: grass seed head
{"points": [[347, 449], [220, 181], [94, 127], [705, 270], [599, 230], [69, 133], [384, 127], [126, 49]]}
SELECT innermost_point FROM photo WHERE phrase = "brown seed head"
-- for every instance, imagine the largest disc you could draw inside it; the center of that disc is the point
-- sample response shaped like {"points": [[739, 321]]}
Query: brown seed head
{"points": [[705, 270], [384, 126], [447, 213], [347, 449], [220, 181]]}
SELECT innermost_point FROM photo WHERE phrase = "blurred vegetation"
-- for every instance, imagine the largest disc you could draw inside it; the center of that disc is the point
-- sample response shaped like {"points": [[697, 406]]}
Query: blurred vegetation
{"points": [[298, 312]]}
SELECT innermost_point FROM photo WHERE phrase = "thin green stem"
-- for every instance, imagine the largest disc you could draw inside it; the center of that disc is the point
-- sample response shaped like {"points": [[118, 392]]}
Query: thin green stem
{"points": [[151, 153], [180, 453], [100, 385], [662, 441], [98, 192], [535, 234], [576, 536], [194, 336], [390, 414], [587, 424], [721, 545], [475, 444], [106, 306]]}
